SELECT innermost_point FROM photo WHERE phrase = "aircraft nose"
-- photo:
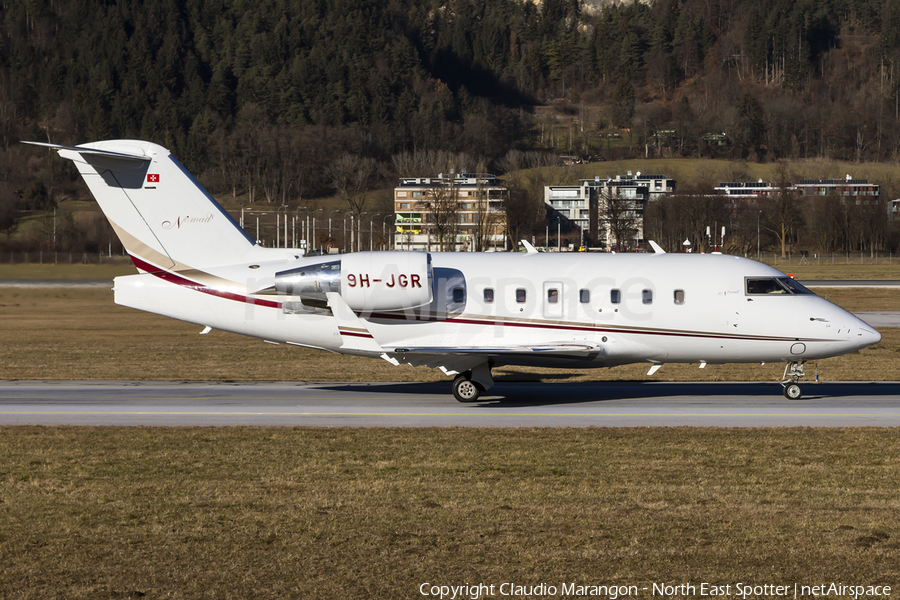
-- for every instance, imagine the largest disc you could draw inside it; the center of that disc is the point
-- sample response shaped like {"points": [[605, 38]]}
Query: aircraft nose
{"points": [[866, 334]]}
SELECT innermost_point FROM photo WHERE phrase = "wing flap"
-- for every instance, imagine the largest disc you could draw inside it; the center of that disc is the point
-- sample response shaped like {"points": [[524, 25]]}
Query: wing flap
{"points": [[559, 348]]}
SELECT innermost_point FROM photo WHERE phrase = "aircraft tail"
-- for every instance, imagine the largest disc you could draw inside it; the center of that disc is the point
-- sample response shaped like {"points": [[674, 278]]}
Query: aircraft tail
{"points": [[162, 215]]}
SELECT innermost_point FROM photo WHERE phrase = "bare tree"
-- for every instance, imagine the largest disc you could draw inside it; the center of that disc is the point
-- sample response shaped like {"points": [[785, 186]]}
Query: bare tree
{"points": [[524, 205], [441, 207], [352, 176], [827, 223], [486, 218], [782, 210], [9, 208], [621, 216]]}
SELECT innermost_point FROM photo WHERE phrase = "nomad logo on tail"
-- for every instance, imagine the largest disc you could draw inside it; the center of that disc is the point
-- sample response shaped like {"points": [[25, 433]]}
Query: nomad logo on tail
{"points": [[182, 221]]}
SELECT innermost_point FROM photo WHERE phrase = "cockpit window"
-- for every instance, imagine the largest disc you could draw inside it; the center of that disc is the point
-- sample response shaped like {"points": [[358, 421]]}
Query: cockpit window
{"points": [[774, 285], [792, 285]]}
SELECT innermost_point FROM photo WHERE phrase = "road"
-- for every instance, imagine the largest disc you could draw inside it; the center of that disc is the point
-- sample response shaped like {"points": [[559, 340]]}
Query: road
{"points": [[430, 404]]}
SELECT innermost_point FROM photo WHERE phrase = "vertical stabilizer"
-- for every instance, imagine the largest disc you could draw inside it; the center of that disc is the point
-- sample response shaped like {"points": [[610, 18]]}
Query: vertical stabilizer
{"points": [[162, 215]]}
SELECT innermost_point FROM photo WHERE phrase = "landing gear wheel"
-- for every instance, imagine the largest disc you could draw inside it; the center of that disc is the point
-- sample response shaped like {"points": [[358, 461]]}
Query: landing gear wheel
{"points": [[793, 391], [466, 390], [793, 372]]}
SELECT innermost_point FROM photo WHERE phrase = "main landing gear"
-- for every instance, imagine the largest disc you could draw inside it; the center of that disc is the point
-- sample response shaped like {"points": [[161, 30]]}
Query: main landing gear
{"points": [[792, 373], [468, 386], [464, 389]]}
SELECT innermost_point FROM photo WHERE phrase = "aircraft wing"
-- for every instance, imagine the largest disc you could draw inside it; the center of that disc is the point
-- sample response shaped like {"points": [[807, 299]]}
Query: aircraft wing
{"points": [[560, 348], [457, 359]]}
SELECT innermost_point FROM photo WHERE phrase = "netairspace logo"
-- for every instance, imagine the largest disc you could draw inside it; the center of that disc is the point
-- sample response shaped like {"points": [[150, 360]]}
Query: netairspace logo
{"points": [[613, 592]]}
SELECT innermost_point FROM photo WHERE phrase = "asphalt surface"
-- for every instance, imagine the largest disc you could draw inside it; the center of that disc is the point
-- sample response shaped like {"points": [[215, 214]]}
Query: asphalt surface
{"points": [[431, 404], [884, 318], [831, 283]]}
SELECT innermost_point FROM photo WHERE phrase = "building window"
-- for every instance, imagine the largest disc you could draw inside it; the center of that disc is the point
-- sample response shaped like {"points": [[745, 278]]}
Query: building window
{"points": [[417, 194], [679, 296], [615, 296], [584, 296], [520, 295], [488, 295], [401, 194], [647, 296], [404, 205]]}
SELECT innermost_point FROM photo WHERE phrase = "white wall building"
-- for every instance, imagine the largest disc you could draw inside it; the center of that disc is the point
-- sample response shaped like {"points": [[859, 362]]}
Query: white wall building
{"points": [[593, 206]]}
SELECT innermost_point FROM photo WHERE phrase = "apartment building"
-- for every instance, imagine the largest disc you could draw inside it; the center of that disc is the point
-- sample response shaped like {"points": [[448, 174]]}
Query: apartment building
{"points": [[606, 212], [450, 212]]}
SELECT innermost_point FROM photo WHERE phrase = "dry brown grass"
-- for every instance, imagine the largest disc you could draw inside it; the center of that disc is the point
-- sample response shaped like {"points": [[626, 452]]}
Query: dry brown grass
{"points": [[119, 266], [65, 333], [374, 513], [84, 272]]}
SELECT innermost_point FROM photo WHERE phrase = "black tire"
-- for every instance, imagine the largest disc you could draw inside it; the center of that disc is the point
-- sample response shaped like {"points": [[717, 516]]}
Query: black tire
{"points": [[793, 391], [466, 390]]}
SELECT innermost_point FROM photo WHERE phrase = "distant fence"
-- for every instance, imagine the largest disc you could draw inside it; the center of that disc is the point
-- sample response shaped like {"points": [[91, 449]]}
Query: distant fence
{"points": [[827, 258], [769, 258], [71, 258]]}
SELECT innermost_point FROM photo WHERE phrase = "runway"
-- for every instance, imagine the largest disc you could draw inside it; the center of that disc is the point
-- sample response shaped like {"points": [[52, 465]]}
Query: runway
{"points": [[431, 404]]}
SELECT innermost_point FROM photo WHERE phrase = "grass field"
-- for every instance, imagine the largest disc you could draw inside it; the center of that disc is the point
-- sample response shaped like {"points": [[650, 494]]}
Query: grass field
{"points": [[375, 513], [65, 271]]}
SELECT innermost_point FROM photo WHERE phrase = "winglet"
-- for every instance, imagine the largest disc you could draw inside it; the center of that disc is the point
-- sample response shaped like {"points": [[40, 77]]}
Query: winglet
{"points": [[657, 249], [529, 248]]}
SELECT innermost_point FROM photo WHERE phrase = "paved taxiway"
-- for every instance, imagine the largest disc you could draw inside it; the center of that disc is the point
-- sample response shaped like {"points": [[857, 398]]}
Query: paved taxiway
{"points": [[430, 404]]}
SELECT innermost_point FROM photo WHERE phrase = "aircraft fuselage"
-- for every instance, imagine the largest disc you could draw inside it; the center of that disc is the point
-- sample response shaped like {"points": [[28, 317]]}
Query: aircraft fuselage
{"points": [[574, 310]]}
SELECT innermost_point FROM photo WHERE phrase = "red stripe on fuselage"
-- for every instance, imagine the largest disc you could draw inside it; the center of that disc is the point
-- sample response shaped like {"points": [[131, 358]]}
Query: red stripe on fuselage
{"points": [[200, 287], [359, 335], [594, 329]]}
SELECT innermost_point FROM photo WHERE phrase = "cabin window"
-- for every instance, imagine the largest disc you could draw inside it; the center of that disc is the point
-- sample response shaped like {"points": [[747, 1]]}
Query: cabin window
{"points": [[520, 295], [679, 296], [553, 296], [459, 295], [488, 295], [584, 296], [615, 296], [647, 296]]}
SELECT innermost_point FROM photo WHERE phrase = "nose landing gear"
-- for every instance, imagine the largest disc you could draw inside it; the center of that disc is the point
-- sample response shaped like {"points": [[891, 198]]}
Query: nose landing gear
{"points": [[793, 371]]}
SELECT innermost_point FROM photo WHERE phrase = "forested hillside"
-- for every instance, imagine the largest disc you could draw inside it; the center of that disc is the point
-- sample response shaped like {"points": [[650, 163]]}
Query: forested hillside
{"points": [[267, 95]]}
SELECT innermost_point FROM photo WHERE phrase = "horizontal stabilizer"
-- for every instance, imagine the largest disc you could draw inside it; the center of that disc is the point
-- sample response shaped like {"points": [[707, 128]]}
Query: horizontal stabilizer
{"points": [[92, 151]]}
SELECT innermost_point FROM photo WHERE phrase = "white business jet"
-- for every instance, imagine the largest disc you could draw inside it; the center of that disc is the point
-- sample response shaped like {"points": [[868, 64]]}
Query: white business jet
{"points": [[464, 313]]}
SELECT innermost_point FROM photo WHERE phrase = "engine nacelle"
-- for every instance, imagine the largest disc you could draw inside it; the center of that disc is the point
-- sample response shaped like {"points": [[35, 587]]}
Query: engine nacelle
{"points": [[367, 281], [386, 280]]}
